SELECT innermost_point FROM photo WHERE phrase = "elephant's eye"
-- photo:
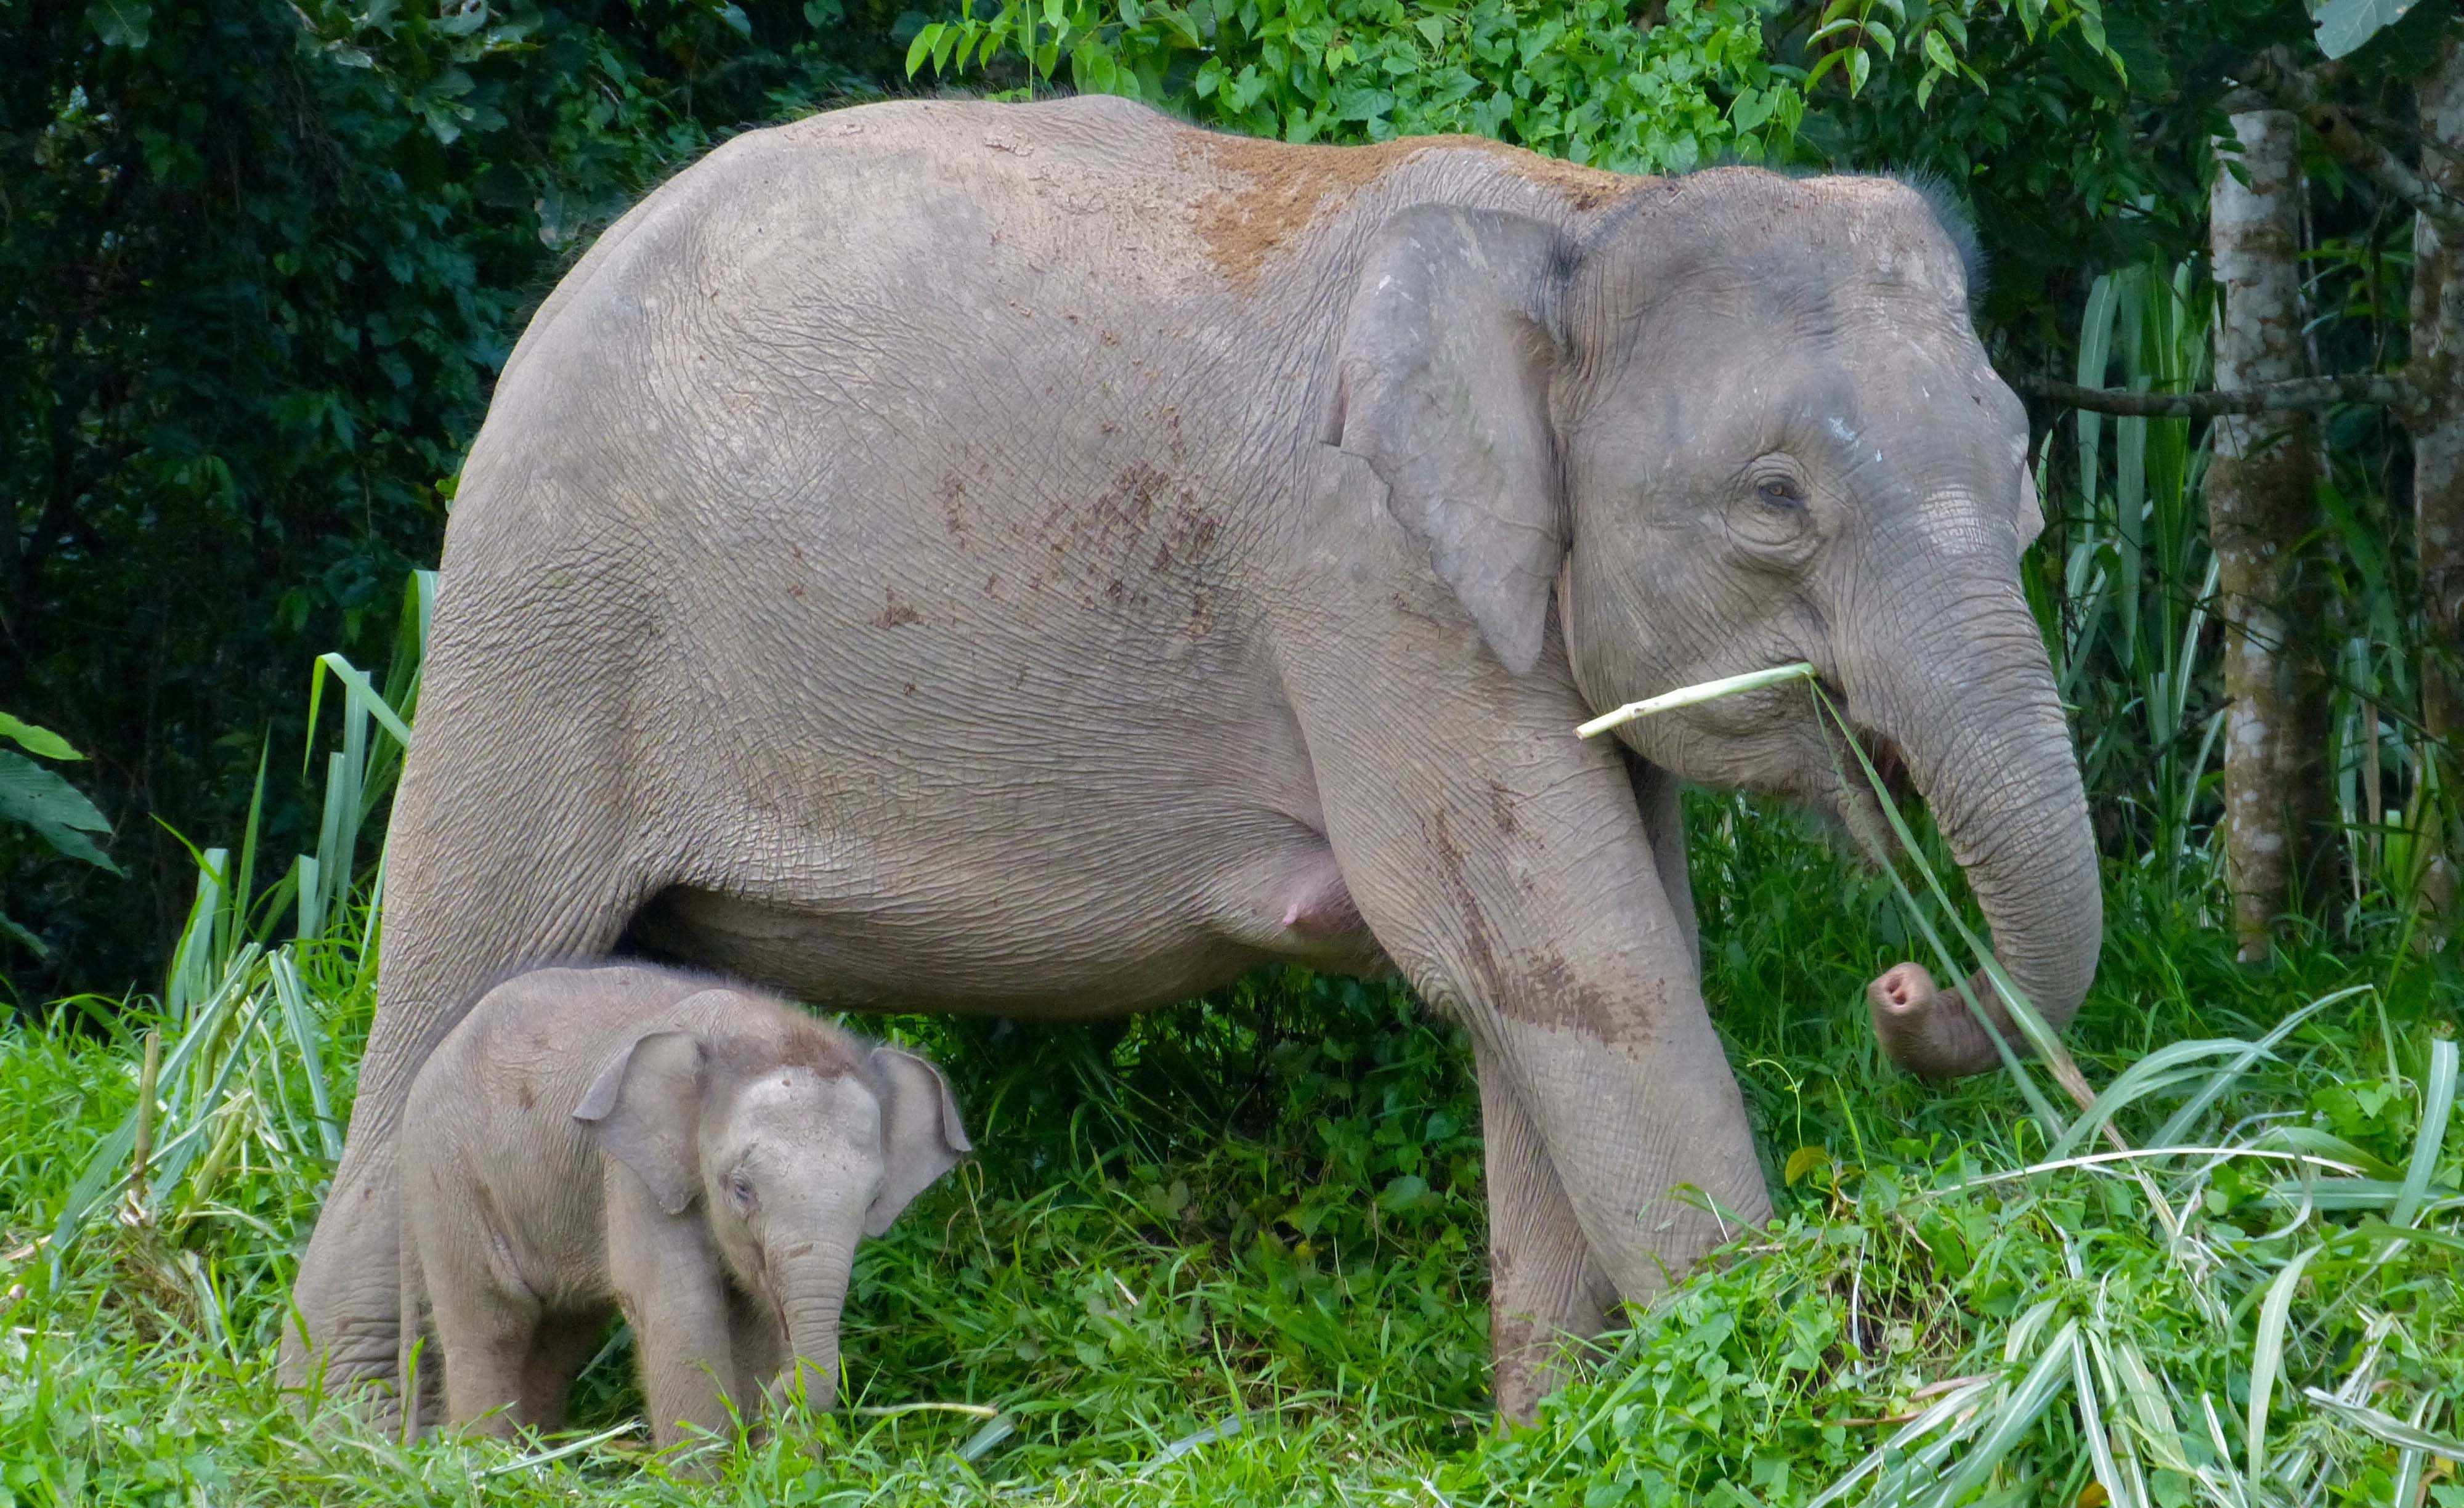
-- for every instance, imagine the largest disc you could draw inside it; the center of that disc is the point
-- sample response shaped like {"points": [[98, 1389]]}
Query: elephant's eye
{"points": [[739, 1189], [1780, 493]]}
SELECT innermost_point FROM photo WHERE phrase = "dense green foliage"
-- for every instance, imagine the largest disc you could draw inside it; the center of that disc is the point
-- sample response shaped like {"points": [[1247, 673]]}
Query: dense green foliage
{"points": [[1576, 81], [258, 265]]}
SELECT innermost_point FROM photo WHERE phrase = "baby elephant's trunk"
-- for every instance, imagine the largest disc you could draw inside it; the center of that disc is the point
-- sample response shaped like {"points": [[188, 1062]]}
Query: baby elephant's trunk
{"points": [[813, 1290]]}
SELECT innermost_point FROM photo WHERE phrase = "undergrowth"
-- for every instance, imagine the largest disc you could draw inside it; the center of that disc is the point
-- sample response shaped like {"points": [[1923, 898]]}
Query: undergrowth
{"points": [[1234, 1252]]}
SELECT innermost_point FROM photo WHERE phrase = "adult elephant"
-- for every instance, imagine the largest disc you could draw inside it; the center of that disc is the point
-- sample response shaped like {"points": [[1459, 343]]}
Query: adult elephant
{"points": [[1047, 559]]}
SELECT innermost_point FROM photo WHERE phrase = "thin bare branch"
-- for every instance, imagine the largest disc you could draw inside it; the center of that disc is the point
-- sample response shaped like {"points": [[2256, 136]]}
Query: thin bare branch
{"points": [[2342, 134], [2394, 390]]}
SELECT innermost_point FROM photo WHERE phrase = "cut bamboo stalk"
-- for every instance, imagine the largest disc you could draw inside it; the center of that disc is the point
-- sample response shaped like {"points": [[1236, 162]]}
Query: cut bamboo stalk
{"points": [[144, 1148], [1692, 695]]}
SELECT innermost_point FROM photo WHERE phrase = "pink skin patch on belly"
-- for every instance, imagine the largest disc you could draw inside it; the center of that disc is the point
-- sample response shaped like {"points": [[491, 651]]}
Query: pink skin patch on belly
{"points": [[1320, 906]]}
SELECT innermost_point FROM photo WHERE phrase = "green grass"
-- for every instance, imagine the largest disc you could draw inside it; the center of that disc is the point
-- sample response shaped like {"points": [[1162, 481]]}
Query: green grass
{"points": [[1234, 1252], [1267, 1207]]}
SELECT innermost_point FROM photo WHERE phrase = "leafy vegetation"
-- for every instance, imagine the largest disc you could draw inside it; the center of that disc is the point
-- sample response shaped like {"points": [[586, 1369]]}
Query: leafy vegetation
{"points": [[1233, 1251], [44, 804], [258, 265], [1574, 80]]}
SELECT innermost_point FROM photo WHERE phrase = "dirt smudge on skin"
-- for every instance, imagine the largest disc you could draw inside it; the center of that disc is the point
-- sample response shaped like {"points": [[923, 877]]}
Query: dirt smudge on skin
{"points": [[780, 1038], [1584, 188], [1482, 955], [1562, 999], [1551, 994], [1106, 527], [895, 614], [1500, 807], [954, 515], [1144, 538], [1270, 192]]}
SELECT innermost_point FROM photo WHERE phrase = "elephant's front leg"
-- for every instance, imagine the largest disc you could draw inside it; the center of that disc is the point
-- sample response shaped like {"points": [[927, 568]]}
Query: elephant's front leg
{"points": [[1506, 868], [669, 1279], [1544, 1285]]}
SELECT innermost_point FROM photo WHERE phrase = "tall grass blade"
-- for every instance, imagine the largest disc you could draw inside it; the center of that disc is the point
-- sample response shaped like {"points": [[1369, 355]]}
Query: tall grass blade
{"points": [[308, 1040], [2166, 1067], [2100, 1444], [2151, 1414], [2395, 1431], [2177, 1127], [1948, 1407], [2437, 1105], [2027, 1403], [1694, 695], [2267, 1358]]}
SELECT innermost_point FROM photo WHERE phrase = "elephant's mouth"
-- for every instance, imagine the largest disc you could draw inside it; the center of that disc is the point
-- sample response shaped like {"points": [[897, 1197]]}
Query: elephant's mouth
{"points": [[1883, 770], [1862, 787], [1890, 766]]}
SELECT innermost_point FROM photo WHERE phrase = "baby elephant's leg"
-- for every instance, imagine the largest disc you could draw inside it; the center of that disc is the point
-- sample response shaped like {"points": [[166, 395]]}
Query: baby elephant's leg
{"points": [[487, 1339], [563, 1345], [669, 1279], [760, 1345]]}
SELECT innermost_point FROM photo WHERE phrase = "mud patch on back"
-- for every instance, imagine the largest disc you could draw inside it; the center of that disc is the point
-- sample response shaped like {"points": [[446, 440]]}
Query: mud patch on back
{"points": [[1270, 192]]}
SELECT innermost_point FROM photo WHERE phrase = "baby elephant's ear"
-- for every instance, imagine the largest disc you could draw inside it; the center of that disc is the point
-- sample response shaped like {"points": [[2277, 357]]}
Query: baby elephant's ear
{"points": [[921, 1138], [644, 1108]]}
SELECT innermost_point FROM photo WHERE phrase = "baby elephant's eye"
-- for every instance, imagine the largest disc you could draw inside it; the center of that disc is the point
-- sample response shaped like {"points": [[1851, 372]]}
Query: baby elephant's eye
{"points": [[739, 1189]]}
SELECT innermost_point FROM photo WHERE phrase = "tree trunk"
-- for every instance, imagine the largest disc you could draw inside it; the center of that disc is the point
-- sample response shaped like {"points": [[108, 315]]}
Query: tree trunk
{"points": [[2261, 504], [2438, 458]]}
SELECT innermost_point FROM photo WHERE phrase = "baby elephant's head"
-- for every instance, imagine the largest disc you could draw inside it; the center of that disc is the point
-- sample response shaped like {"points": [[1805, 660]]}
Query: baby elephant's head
{"points": [[797, 1140]]}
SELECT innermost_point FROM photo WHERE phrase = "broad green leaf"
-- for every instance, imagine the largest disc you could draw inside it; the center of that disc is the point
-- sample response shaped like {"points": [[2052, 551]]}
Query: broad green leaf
{"points": [[1937, 50], [36, 740], [58, 812], [121, 23], [33, 943], [2345, 25]]}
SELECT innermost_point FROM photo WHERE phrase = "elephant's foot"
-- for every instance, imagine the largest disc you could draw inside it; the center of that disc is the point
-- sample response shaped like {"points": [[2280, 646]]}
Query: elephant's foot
{"points": [[1528, 1353], [343, 1340]]}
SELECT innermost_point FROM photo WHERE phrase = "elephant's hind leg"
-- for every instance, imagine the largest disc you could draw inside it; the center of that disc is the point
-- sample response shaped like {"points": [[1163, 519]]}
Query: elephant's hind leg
{"points": [[511, 847]]}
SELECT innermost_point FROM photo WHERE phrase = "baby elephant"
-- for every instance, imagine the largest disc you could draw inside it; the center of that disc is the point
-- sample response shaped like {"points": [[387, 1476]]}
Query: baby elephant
{"points": [[700, 1155]]}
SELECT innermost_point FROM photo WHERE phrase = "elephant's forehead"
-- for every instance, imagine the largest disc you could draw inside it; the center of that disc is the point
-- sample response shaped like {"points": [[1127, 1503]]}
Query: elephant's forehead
{"points": [[792, 1097]]}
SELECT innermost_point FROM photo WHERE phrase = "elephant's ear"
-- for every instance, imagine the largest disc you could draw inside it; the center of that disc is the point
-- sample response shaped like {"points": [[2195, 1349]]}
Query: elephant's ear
{"points": [[1448, 348], [921, 1138], [645, 1106], [2032, 512]]}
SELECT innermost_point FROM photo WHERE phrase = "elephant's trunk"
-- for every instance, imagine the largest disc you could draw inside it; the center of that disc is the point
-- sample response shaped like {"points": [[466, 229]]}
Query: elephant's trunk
{"points": [[1969, 698], [812, 1286]]}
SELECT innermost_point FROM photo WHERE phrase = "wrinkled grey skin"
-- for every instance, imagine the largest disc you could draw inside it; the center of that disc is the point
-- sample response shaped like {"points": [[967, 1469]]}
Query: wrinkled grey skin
{"points": [[702, 1157], [1045, 560]]}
